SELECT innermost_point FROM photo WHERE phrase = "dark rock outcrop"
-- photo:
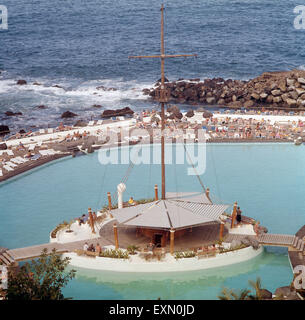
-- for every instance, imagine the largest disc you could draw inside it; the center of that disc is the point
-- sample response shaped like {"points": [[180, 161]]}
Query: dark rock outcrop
{"points": [[11, 113], [207, 114], [266, 294], [42, 106], [190, 114], [21, 82], [117, 112], [271, 89], [250, 241], [80, 123], [106, 89], [4, 130], [68, 114], [57, 86], [3, 146]]}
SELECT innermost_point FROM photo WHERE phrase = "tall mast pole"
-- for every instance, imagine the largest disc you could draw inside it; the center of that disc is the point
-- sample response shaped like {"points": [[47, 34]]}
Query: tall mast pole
{"points": [[162, 106], [162, 94]]}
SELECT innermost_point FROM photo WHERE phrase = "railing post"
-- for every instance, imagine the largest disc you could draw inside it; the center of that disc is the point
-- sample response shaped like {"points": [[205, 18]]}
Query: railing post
{"points": [[172, 241], [156, 192], [116, 239], [221, 230]]}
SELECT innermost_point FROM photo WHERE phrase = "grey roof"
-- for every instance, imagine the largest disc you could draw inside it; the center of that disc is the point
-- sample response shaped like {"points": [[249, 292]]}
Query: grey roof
{"points": [[176, 213], [188, 196]]}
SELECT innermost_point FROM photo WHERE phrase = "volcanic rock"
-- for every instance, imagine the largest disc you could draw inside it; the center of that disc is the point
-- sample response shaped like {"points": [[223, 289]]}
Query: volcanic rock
{"points": [[117, 112], [21, 82], [210, 100], [291, 102], [106, 89], [290, 82], [190, 113], [173, 109], [57, 86], [276, 92], [80, 123], [249, 241], [4, 130], [300, 91], [249, 104], [68, 114], [3, 146], [235, 93], [207, 114], [266, 294], [301, 80], [11, 113], [42, 106]]}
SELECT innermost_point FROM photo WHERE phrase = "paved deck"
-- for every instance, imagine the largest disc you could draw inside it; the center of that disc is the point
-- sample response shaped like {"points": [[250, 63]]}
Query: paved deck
{"points": [[203, 235], [26, 253]]}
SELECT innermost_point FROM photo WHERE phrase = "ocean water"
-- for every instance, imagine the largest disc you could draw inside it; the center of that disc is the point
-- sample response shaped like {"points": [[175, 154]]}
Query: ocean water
{"points": [[82, 44], [267, 180]]}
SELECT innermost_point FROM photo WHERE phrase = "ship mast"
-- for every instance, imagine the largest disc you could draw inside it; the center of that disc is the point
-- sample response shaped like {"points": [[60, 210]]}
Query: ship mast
{"points": [[162, 93]]}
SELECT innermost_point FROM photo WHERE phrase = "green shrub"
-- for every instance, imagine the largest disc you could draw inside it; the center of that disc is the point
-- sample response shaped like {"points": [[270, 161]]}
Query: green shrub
{"points": [[59, 227], [132, 249], [186, 254], [113, 253]]}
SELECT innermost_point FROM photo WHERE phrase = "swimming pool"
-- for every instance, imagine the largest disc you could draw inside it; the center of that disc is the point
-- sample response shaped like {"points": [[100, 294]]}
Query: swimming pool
{"points": [[267, 180]]}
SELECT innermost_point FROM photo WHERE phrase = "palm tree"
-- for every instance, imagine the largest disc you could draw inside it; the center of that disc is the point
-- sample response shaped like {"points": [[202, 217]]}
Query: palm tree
{"points": [[257, 286], [231, 295]]}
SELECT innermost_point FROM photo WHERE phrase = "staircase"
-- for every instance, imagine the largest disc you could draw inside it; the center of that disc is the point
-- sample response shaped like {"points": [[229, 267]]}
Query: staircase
{"points": [[298, 244], [6, 259]]}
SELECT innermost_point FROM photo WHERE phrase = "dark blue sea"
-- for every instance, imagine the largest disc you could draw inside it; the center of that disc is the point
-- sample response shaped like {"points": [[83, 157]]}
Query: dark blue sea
{"points": [[82, 44]]}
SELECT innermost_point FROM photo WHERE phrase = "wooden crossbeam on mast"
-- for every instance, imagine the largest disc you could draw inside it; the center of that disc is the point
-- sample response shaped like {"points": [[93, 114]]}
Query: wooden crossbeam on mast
{"points": [[163, 95]]}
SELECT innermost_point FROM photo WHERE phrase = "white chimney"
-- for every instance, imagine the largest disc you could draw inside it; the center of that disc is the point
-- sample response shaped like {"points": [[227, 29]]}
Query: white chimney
{"points": [[121, 188]]}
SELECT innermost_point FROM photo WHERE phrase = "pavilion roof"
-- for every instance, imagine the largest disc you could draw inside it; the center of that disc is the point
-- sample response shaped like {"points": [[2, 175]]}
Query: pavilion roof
{"points": [[177, 212]]}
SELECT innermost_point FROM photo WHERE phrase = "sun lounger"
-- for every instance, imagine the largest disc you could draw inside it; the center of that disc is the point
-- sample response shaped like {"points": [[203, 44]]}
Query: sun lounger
{"points": [[1, 174], [31, 147], [44, 152], [47, 152], [16, 161], [10, 152], [121, 118], [91, 123], [11, 164], [99, 122], [36, 157], [50, 130], [21, 159], [42, 131], [8, 168]]}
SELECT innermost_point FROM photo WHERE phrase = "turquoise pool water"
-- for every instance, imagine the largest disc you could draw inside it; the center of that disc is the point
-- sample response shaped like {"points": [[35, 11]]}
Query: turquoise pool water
{"points": [[267, 180]]}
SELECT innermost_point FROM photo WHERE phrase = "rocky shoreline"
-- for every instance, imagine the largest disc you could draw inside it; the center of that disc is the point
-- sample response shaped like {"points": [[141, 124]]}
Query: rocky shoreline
{"points": [[274, 90]]}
